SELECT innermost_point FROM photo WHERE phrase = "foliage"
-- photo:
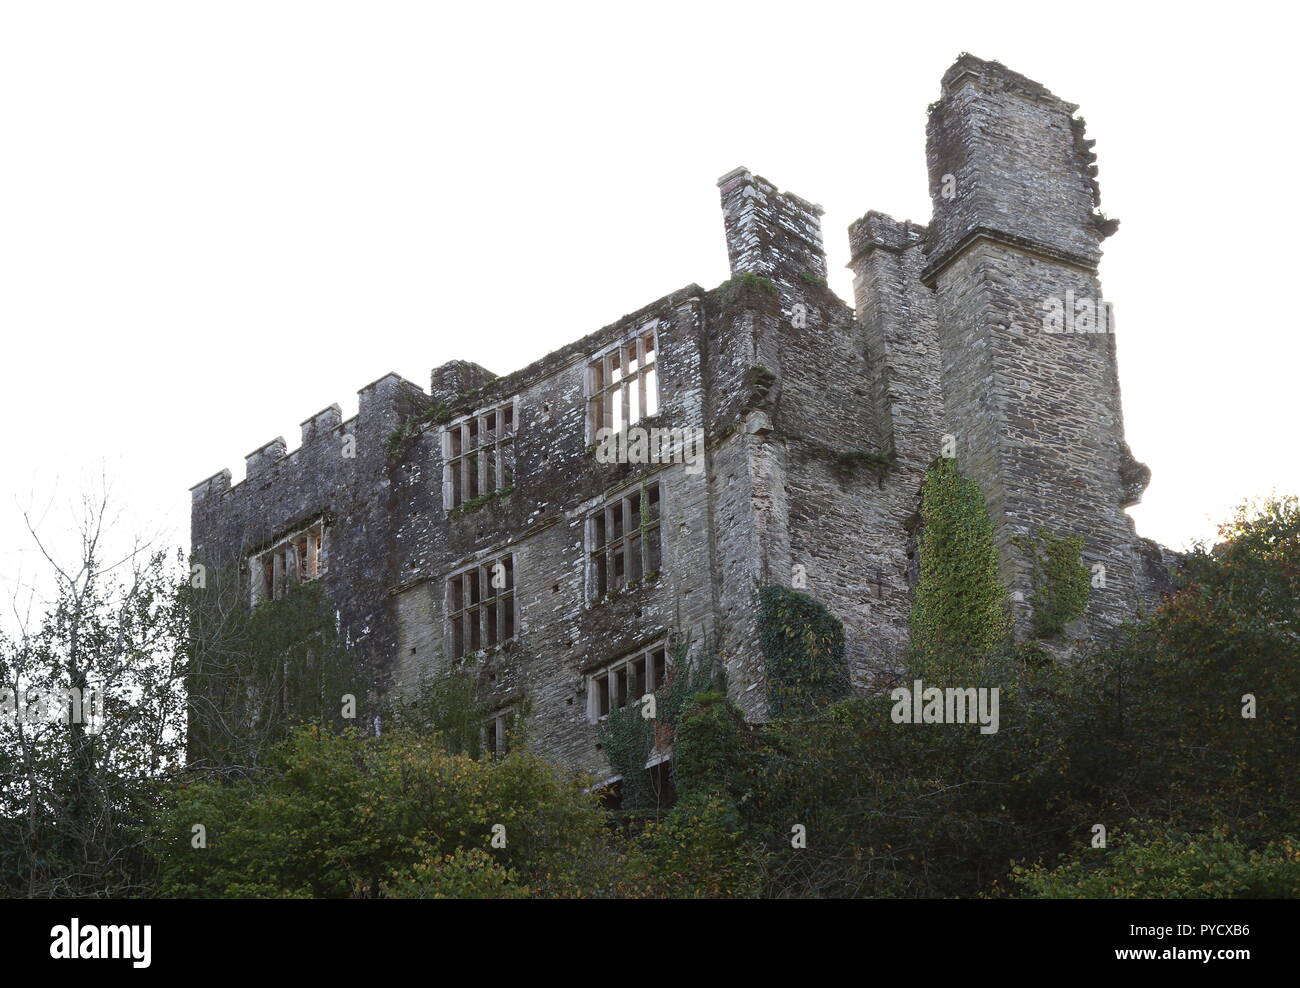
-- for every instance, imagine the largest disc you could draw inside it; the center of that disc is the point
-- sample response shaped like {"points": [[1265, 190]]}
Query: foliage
{"points": [[713, 750], [463, 874], [629, 739], [448, 706], [339, 815], [76, 785], [747, 283], [396, 442], [1170, 865], [254, 674], [1167, 707], [959, 613], [1151, 729], [803, 651], [697, 851], [474, 503], [854, 459], [1062, 584]]}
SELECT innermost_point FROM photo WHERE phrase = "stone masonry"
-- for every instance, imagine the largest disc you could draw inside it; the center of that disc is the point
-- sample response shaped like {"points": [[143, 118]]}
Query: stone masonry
{"points": [[944, 352]]}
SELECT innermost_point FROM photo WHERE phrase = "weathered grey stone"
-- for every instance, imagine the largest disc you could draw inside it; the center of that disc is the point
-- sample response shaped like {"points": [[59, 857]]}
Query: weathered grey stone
{"points": [[790, 387]]}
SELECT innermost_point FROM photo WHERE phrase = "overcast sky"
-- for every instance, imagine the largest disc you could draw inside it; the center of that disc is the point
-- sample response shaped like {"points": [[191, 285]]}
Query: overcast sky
{"points": [[218, 218]]}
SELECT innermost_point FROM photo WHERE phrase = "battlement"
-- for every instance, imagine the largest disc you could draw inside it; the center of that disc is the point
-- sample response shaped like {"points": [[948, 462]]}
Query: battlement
{"points": [[381, 405], [213, 486], [326, 420]]}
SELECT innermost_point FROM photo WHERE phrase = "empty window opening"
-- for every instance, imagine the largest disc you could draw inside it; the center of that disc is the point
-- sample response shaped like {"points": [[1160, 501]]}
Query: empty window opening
{"points": [[299, 558], [626, 681], [481, 606], [497, 734], [624, 541], [623, 385], [478, 456]]}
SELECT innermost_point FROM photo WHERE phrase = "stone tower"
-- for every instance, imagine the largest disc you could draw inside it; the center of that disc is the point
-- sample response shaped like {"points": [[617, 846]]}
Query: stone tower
{"points": [[1031, 404]]}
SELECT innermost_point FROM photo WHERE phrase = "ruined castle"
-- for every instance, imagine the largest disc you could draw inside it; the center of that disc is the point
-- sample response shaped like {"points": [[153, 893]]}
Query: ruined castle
{"points": [[476, 523]]}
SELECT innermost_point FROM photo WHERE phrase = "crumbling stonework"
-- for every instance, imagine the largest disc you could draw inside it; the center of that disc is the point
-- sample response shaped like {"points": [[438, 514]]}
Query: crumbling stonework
{"points": [[817, 419]]}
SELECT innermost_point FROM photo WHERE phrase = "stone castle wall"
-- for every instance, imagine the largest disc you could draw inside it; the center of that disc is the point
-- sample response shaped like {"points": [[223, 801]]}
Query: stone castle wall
{"points": [[819, 420]]}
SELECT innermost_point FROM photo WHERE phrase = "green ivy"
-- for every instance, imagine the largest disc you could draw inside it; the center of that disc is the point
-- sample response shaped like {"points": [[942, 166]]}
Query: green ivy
{"points": [[629, 738], [260, 671], [1062, 584], [959, 610], [803, 649]]}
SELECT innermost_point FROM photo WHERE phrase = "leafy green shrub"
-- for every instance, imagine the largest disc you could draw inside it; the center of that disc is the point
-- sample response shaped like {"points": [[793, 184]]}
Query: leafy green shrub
{"points": [[463, 874], [1170, 865], [697, 851], [341, 815], [712, 750]]}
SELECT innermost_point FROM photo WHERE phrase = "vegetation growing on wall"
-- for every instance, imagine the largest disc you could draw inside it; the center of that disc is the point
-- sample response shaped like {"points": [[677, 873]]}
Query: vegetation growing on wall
{"points": [[803, 651], [439, 413], [1062, 584], [959, 611], [261, 672], [448, 706], [850, 461], [475, 503], [629, 738]]}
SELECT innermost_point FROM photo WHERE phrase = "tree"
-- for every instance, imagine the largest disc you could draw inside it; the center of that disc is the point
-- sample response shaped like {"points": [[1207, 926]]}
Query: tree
{"points": [[92, 697]]}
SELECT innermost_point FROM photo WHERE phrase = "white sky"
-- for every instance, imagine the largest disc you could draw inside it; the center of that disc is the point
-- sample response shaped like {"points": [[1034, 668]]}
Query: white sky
{"points": [[218, 218]]}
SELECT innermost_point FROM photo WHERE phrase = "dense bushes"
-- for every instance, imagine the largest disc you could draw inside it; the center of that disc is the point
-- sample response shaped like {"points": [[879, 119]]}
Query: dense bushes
{"points": [[1171, 865], [1157, 730], [343, 815], [1180, 739]]}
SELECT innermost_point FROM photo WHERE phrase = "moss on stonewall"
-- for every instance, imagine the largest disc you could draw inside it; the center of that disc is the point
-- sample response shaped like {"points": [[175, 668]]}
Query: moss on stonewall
{"points": [[475, 503]]}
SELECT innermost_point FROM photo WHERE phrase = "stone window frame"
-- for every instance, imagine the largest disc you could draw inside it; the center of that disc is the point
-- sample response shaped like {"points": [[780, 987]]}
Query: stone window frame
{"points": [[492, 624], [478, 461], [610, 383], [496, 730], [300, 556], [626, 680], [638, 529]]}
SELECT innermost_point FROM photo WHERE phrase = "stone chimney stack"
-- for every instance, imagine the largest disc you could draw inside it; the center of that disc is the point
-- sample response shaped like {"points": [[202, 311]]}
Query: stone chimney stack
{"points": [[1035, 412], [772, 234]]}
